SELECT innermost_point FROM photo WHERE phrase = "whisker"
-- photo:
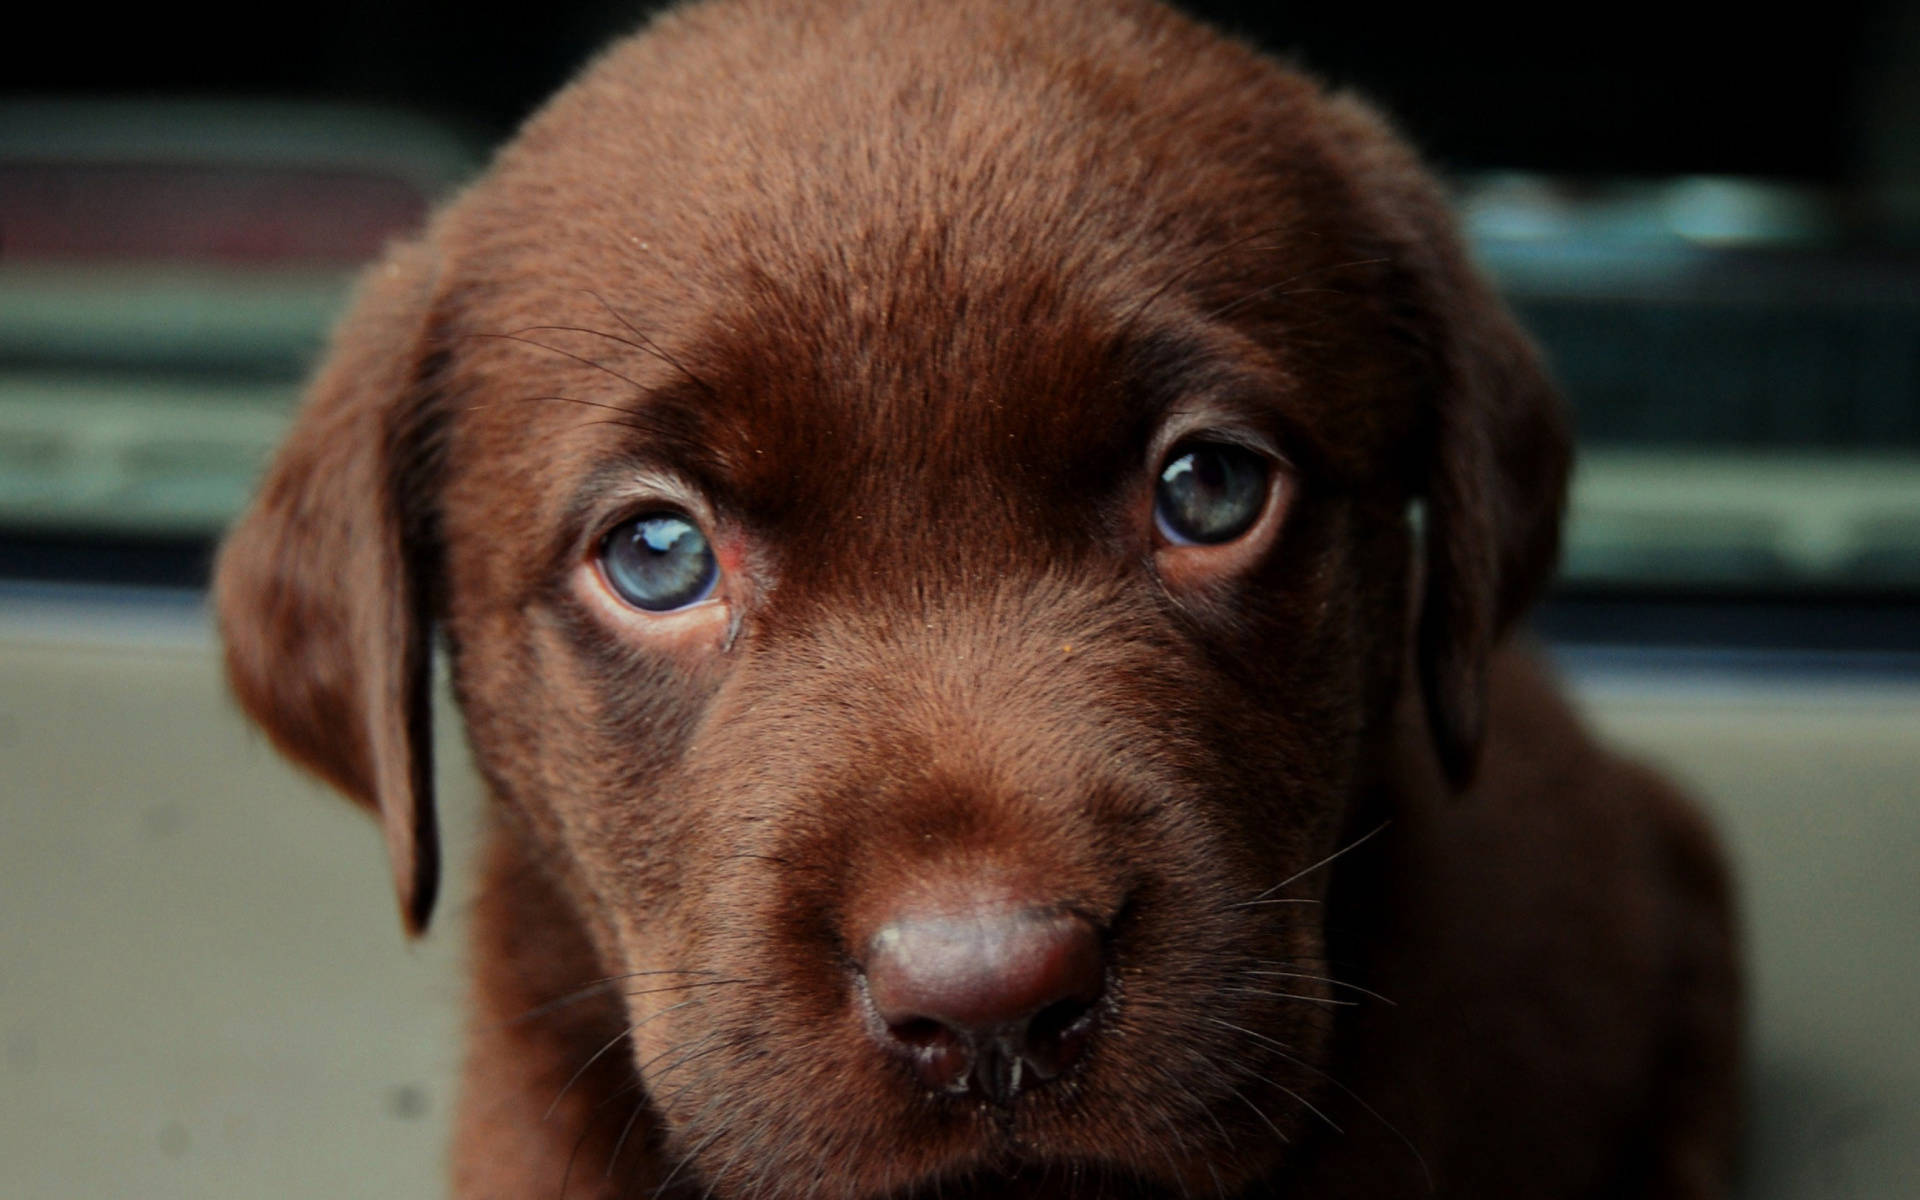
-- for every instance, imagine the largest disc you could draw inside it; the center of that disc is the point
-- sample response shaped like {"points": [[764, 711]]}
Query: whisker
{"points": [[626, 1130], [700, 1050], [1166, 1148], [644, 345], [698, 983], [696, 1043], [652, 429], [589, 330], [1261, 1113], [1425, 1171], [582, 359], [1269, 289], [1219, 1188], [1266, 993], [653, 346], [616, 1040], [1370, 1110], [637, 424], [585, 992], [620, 1143], [748, 1143], [1180, 276], [1282, 1046], [1326, 979], [664, 1099], [586, 1128], [692, 1151], [1303, 873], [1226, 1139]]}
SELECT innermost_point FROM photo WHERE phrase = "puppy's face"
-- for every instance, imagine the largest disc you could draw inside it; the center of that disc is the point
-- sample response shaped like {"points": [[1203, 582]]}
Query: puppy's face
{"points": [[885, 591], [923, 554]]}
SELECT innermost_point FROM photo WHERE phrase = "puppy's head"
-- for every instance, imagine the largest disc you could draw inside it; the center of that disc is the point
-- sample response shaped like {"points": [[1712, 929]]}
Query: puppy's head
{"points": [[917, 501]]}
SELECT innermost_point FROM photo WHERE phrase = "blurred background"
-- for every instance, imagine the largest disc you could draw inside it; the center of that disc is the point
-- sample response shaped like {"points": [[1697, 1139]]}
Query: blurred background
{"points": [[1712, 222]]}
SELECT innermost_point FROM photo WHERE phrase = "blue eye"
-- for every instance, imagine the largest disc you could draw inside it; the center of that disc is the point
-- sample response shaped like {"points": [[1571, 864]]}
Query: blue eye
{"points": [[659, 562], [1209, 492]]}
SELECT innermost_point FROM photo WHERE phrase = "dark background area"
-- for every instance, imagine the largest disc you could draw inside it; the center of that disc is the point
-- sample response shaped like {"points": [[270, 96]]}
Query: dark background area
{"points": [[1824, 93]]}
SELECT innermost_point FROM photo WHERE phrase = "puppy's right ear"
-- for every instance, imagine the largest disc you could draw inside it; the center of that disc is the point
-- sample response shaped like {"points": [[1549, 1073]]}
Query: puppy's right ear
{"points": [[321, 587]]}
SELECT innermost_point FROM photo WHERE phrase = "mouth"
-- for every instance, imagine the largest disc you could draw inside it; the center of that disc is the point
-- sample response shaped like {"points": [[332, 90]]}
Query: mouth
{"points": [[1054, 1140]]}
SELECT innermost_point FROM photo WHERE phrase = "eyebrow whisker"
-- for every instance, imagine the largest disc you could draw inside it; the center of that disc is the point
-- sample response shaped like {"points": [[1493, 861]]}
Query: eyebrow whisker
{"points": [[647, 343], [579, 358]]}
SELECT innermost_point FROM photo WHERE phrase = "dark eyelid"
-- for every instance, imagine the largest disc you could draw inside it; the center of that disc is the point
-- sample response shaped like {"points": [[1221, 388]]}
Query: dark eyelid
{"points": [[616, 491], [1198, 391], [664, 432], [1234, 419], [1237, 434]]}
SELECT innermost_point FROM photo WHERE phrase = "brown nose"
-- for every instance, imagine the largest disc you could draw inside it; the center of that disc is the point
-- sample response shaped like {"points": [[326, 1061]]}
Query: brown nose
{"points": [[993, 999]]}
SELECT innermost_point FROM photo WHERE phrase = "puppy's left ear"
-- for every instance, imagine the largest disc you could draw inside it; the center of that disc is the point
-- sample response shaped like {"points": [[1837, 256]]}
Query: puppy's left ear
{"points": [[1495, 494], [1497, 452], [322, 586]]}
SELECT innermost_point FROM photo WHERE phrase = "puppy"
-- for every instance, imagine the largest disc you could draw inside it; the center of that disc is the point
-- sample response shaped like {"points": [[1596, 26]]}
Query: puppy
{"points": [[917, 499]]}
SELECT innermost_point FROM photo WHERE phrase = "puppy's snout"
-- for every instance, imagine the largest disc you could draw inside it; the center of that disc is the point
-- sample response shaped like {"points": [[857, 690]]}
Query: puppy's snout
{"points": [[991, 999]]}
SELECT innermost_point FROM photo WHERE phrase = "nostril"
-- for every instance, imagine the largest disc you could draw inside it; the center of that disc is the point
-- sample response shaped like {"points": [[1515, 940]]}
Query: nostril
{"points": [[986, 998], [1057, 1034], [920, 1032], [942, 1059], [1051, 1023]]}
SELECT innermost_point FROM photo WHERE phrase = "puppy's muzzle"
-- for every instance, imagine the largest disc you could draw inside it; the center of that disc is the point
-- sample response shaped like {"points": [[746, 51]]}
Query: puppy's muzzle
{"points": [[990, 999]]}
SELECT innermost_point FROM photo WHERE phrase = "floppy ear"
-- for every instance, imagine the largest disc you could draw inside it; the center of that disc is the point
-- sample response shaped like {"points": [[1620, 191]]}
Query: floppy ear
{"points": [[1499, 450], [321, 587], [1494, 500]]}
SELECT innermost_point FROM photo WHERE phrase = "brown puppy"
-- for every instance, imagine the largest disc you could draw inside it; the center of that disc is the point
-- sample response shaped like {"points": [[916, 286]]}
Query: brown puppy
{"points": [[916, 497]]}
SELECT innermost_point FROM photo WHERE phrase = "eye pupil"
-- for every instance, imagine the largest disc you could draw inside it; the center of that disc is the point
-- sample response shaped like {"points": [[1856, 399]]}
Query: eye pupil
{"points": [[1209, 493], [659, 562]]}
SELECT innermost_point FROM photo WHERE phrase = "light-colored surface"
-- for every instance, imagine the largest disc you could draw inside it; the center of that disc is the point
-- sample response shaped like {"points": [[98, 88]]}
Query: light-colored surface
{"points": [[204, 992], [1816, 790]]}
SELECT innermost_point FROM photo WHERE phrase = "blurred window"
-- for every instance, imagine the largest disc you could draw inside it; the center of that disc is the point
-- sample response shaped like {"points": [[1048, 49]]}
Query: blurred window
{"points": [[1743, 356], [1744, 364], [168, 271]]}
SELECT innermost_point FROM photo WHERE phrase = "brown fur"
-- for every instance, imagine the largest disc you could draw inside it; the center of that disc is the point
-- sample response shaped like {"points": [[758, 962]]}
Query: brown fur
{"points": [[904, 293]]}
